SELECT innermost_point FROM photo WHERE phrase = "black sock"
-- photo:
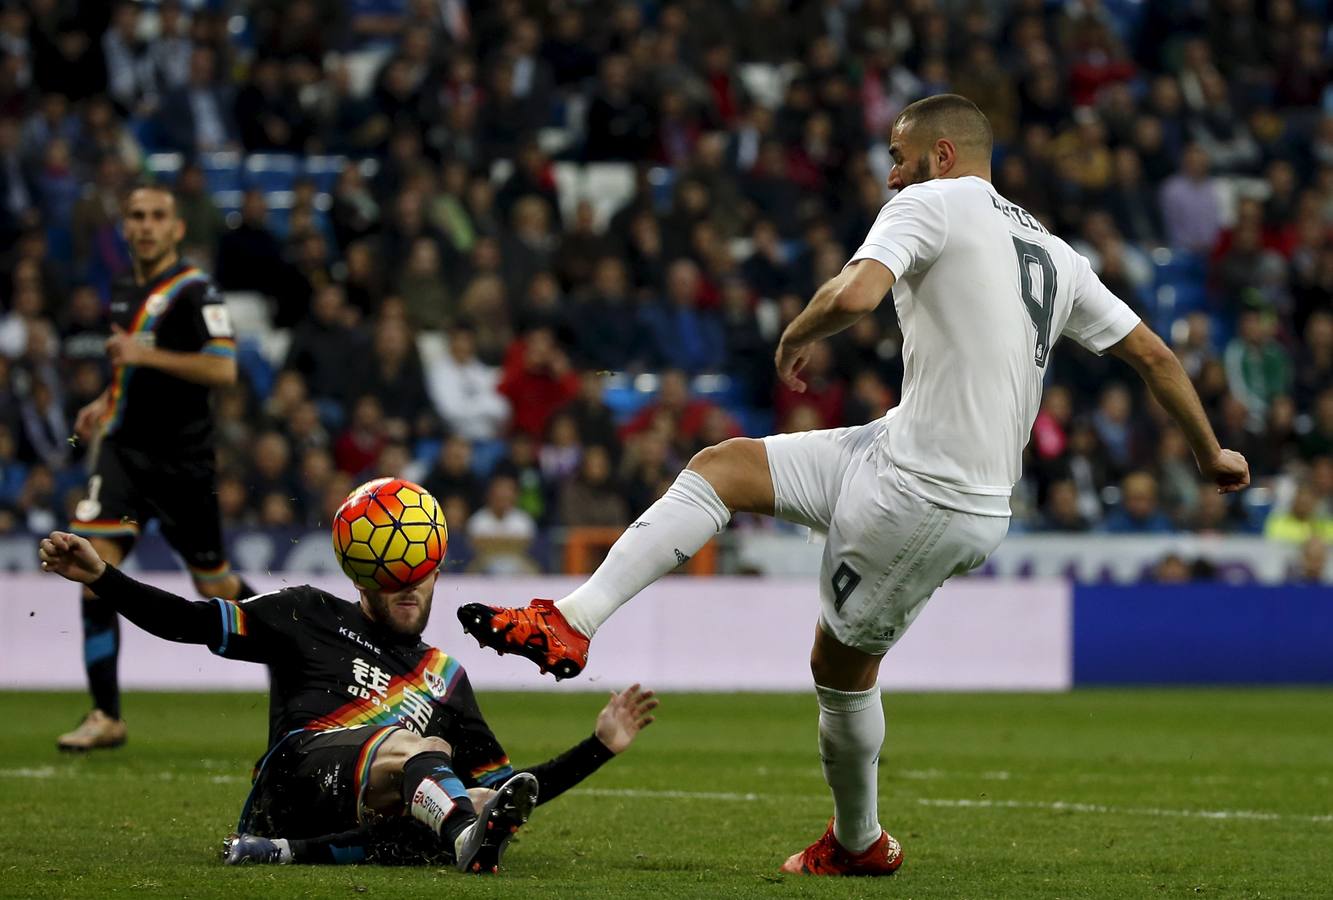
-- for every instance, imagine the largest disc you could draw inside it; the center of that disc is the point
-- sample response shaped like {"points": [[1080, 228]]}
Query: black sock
{"points": [[433, 794], [101, 649], [244, 592], [401, 841]]}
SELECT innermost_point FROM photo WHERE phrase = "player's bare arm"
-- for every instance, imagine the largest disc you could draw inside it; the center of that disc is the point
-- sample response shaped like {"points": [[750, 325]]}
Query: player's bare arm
{"points": [[91, 415], [123, 349], [1170, 384], [839, 303]]}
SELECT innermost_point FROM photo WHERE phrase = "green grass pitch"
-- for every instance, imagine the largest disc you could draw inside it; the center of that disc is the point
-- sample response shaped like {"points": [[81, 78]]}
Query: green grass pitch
{"points": [[1114, 794]]}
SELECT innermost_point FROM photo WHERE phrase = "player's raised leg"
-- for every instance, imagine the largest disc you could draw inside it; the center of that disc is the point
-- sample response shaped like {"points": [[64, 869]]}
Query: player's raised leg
{"points": [[730, 477], [102, 728]]}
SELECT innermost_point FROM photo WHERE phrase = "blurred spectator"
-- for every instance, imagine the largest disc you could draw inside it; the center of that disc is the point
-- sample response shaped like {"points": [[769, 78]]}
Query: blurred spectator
{"points": [[680, 334], [452, 475], [269, 118], [1062, 509], [754, 152], [537, 380], [1306, 517], [197, 117], [1257, 367], [1190, 207], [394, 376], [1138, 512], [204, 225], [465, 390], [561, 453], [500, 532], [1311, 563], [322, 347], [610, 335], [592, 498], [249, 255], [824, 392], [364, 438], [423, 289], [1114, 425]]}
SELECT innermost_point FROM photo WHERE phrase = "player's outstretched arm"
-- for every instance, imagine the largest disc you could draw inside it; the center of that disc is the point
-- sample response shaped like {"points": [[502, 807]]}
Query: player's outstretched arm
{"points": [[154, 610], [1170, 384], [625, 715], [839, 303]]}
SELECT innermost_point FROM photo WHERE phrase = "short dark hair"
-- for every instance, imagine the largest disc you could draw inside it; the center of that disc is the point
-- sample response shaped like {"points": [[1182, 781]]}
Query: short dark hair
{"points": [[950, 116], [148, 184]]}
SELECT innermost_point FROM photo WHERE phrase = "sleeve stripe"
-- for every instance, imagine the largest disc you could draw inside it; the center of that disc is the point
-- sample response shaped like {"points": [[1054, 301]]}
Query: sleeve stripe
{"points": [[226, 630], [220, 347]]}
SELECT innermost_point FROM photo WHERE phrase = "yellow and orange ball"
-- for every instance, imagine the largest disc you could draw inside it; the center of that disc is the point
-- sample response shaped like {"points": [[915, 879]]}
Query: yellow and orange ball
{"points": [[389, 534]]}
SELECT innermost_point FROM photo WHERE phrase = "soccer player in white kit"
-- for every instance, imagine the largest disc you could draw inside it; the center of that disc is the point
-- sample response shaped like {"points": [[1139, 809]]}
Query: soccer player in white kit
{"points": [[982, 291]]}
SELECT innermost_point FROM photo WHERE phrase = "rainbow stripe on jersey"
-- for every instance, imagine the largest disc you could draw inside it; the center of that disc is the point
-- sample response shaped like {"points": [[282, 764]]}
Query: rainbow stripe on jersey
{"points": [[412, 690], [151, 311]]}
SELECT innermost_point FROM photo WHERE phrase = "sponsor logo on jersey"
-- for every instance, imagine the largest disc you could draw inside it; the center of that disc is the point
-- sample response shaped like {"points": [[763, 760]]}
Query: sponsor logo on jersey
{"points": [[217, 321]]}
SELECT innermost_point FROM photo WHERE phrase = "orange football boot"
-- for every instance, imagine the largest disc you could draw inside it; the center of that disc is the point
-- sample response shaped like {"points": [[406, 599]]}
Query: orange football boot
{"points": [[538, 632], [827, 857]]}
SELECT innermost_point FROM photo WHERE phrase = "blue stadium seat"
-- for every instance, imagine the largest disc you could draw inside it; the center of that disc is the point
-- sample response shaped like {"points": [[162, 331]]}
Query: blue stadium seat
{"points": [[486, 455], [426, 449], [324, 171], [222, 171], [163, 166], [254, 367], [272, 172]]}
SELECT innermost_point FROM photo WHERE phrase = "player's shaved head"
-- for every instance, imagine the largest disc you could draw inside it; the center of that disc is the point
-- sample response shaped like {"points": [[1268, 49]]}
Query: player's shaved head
{"points": [[944, 136], [952, 118]]}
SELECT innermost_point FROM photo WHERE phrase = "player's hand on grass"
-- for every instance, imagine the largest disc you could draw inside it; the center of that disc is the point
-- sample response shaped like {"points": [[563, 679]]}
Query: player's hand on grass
{"points": [[625, 715], [70, 556], [1228, 470], [123, 349], [790, 360]]}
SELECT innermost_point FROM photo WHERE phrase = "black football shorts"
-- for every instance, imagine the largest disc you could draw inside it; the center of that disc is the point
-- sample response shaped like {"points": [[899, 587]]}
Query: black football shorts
{"points": [[313, 783], [128, 487]]}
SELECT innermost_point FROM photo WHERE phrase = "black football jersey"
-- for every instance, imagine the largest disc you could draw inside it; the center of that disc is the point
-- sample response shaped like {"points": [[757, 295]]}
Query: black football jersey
{"points": [[179, 310], [331, 667]]}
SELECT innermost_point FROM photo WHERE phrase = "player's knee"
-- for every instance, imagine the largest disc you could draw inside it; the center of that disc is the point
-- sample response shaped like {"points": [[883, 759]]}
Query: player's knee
{"points": [[403, 745], [737, 469]]}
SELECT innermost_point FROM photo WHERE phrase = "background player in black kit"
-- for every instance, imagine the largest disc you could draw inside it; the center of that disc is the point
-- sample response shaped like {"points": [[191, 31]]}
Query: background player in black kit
{"points": [[377, 750], [171, 343]]}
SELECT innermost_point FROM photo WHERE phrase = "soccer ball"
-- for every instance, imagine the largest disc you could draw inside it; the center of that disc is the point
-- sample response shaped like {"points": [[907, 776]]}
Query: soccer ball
{"points": [[389, 534]]}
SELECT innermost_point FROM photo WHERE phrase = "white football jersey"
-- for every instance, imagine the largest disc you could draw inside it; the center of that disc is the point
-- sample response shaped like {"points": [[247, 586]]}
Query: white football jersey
{"points": [[983, 291]]}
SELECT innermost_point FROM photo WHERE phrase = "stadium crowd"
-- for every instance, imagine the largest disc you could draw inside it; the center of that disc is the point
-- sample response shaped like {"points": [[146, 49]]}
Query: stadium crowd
{"points": [[1186, 148]]}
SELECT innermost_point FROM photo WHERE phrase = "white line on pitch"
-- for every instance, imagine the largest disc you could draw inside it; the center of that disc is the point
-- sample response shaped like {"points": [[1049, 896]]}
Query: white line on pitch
{"points": [[47, 772], [1052, 806], [1066, 806]]}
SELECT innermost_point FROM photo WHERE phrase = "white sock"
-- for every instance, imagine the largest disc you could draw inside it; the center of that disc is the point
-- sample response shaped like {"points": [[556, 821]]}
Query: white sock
{"points": [[664, 537], [851, 732], [284, 851]]}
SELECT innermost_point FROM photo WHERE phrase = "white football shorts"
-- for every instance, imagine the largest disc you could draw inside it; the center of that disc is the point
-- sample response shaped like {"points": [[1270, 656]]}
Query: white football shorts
{"points": [[887, 549]]}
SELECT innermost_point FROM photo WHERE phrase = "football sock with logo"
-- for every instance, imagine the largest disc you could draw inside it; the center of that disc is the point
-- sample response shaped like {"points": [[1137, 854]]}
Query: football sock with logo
{"points": [[434, 795], [101, 650], [851, 733], [663, 538]]}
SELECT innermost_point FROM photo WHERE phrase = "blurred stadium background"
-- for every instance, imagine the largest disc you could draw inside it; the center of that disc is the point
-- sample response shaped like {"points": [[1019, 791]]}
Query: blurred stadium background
{"points": [[536, 254]]}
